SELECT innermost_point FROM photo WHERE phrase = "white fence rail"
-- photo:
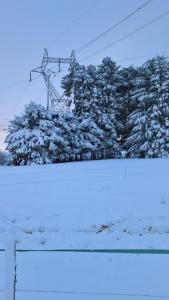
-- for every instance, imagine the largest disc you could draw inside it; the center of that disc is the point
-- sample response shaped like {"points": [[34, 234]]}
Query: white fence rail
{"points": [[11, 272]]}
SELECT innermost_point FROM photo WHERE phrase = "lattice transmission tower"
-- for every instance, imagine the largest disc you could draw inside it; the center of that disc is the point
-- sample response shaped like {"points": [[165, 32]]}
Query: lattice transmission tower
{"points": [[55, 102]]}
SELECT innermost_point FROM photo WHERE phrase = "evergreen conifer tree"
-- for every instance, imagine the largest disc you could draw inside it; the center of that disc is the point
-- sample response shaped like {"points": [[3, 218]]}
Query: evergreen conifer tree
{"points": [[150, 127], [32, 137]]}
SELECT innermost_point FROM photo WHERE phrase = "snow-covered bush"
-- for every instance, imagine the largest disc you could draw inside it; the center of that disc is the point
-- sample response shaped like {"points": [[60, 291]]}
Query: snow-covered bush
{"points": [[33, 137]]}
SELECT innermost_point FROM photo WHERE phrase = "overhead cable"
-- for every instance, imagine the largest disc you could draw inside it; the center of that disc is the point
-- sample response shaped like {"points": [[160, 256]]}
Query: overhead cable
{"points": [[91, 42], [127, 35]]}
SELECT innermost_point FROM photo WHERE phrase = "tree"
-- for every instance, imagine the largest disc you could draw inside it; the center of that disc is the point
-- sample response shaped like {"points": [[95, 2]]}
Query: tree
{"points": [[90, 137], [79, 84], [150, 127], [32, 137], [68, 124], [103, 105], [95, 92], [125, 105]]}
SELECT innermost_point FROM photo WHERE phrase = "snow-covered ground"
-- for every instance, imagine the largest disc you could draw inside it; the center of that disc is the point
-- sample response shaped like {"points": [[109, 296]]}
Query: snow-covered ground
{"points": [[97, 204]]}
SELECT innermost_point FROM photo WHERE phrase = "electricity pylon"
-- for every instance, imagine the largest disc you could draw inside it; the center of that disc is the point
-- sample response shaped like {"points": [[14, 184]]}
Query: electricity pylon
{"points": [[54, 100]]}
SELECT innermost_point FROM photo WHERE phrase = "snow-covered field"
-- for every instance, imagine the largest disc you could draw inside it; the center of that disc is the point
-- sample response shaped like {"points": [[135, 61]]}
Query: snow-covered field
{"points": [[97, 204]]}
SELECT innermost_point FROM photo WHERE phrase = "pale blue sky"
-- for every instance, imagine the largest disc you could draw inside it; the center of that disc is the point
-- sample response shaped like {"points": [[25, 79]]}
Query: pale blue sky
{"points": [[27, 26]]}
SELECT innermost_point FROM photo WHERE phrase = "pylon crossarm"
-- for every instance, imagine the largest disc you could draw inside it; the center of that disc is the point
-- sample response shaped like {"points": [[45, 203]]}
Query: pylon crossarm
{"points": [[59, 60]]}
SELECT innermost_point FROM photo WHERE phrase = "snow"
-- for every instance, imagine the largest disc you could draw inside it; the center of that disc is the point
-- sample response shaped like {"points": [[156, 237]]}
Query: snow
{"points": [[98, 204]]}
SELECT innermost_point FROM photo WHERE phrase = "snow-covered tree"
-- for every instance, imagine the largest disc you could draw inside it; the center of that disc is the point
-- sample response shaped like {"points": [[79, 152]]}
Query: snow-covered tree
{"points": [[149, 135], [114, 109], [68, 124], [81, 135], [32, 137], [79, 84], [95, 92], [103, 105], [90, 137], [124, 105]]}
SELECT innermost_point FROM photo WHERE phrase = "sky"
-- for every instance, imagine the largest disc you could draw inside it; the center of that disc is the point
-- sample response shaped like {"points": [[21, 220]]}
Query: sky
{"points": [[28, 26]]}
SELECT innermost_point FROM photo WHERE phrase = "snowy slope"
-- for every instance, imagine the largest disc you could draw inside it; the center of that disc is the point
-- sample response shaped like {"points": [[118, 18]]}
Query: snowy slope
{"points": [[97, 204], [107, 203]]}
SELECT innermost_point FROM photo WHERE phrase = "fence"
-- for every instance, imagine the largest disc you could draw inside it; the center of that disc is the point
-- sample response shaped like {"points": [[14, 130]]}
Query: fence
{"points": [[11, 270]]}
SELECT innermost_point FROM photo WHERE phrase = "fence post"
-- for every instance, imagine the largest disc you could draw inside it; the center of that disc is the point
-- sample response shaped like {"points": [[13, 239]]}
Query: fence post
{"points": [[10, 270]]}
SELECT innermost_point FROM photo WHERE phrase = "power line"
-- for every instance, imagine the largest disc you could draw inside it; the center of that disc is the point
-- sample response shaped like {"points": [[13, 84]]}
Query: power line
{"points": [[127, 35], [19, 99], [12, 86], [12, 90], [76, 20], [138, 9], [143, 56], [3, 124]]}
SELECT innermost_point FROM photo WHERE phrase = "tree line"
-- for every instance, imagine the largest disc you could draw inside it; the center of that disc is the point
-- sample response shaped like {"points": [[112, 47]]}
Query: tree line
{"points": [[117, 112]]}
